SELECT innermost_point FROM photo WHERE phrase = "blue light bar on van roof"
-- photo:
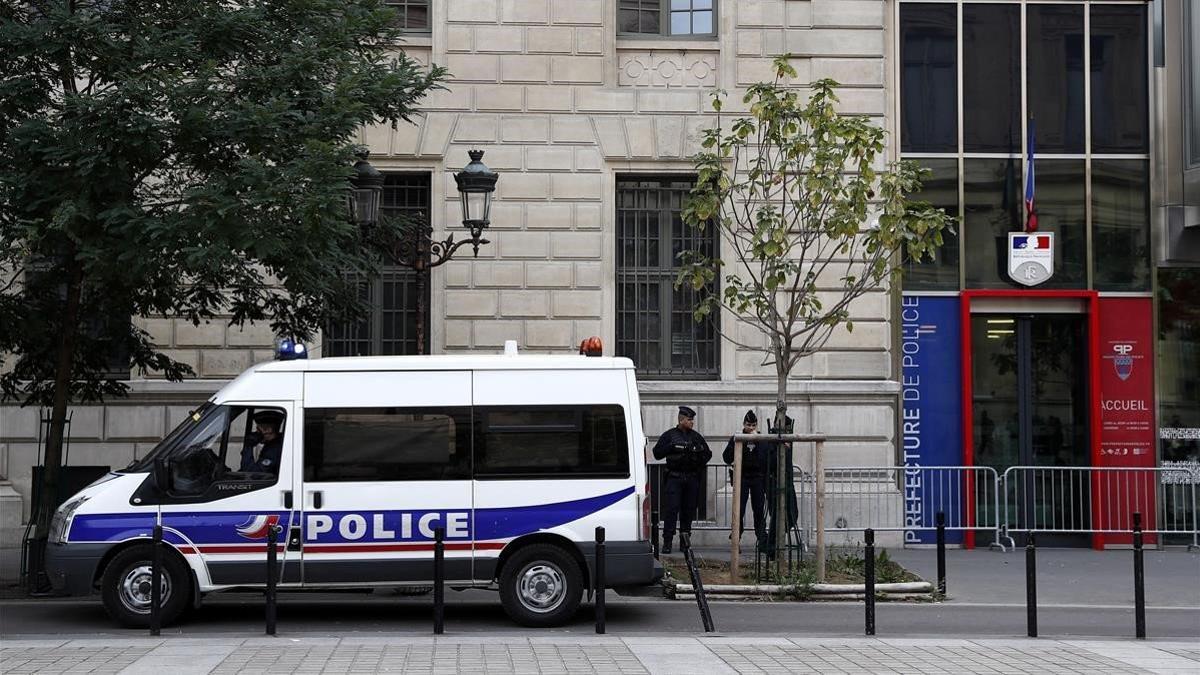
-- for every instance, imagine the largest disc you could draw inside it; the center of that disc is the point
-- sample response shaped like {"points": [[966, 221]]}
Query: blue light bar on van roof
{"points": [[290, 350]]}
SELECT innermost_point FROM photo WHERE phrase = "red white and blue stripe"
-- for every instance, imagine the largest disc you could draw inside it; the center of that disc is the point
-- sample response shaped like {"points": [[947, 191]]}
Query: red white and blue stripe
{"points": [[227, 532]]}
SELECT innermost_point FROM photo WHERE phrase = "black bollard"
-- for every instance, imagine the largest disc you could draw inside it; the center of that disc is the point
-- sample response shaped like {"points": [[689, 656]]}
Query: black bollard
{"points": [[600, 581], [685, 543], [272, 575], [439, 579], [869, 574], [654, 532], [156, 562], [1031, 586], [941, 553], [1139, 579]]}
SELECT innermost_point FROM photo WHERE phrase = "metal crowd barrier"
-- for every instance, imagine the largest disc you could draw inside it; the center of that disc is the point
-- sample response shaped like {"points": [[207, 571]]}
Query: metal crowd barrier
{"points": [[908, 498], [1023, 499], [1100, 500]]}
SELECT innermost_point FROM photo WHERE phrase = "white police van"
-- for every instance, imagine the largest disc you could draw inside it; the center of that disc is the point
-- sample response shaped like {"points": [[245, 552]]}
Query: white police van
{"points": [[518, 458]]}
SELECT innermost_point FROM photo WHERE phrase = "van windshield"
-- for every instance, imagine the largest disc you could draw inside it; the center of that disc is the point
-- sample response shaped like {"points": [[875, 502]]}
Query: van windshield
{"points": [[197, 418]]}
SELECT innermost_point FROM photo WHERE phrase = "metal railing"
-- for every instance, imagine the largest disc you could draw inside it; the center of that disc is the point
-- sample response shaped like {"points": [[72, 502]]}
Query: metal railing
{"points": [[908, 498], [1023, 499], [1099, 500]]}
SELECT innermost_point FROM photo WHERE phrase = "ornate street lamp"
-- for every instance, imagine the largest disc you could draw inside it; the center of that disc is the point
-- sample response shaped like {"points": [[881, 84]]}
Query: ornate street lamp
{"points": [[415, 247], [366, 190], [476, 183]]}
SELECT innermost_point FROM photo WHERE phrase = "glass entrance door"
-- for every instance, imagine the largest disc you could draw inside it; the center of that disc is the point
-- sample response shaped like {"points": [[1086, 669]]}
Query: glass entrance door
{"points": [[1029, 375]]}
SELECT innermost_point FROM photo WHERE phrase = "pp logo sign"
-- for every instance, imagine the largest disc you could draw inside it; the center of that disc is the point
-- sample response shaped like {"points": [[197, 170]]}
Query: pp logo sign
{"points": [[1123, 361]]}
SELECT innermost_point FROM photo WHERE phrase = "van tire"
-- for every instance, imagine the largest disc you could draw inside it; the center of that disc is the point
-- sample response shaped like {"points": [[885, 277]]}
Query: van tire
{"points": [[125, 581], [541, 586]]}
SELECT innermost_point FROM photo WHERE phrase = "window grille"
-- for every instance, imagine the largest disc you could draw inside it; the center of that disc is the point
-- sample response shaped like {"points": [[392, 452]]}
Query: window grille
{"points": [[390, 328], [655, 326], [107, 333]]}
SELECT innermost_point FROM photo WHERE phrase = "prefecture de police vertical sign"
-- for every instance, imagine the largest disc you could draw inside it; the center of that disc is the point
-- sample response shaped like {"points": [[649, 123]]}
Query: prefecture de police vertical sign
{"points": [[931, 417]]}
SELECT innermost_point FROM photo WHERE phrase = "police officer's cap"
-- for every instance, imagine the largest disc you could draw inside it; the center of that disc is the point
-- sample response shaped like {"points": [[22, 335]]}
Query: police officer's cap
{"points": [[687, 412], [270, 417], [750, 418]]}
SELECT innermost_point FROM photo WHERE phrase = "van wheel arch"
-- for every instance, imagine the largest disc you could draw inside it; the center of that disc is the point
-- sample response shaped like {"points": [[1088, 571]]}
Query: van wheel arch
{"points": [[543, 538], [168, 550]]}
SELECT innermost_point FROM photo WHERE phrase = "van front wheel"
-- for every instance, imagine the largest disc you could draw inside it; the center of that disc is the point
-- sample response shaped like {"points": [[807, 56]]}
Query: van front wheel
{"points": [[541, 586], [125, 587]]}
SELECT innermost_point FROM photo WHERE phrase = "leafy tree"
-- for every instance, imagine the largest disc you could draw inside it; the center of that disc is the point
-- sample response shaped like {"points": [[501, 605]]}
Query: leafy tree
{"points": [[179, 158], [794, 193]]}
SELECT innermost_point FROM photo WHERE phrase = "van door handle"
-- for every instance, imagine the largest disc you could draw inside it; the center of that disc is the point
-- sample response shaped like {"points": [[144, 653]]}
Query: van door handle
{"points": [[317, 499], [293, 543], [287, 499]]}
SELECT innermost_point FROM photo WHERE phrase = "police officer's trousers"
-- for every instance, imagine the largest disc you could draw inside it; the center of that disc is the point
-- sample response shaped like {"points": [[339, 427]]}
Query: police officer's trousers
{"points": [[754, 489], [682, 496]]}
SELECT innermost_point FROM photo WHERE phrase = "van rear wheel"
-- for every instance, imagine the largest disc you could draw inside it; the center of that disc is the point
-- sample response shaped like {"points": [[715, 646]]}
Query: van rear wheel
{"points": [[125, 587], [541, 586]]}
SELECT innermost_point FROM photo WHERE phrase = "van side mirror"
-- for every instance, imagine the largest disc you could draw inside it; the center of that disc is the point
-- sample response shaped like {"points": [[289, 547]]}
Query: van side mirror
{"points": [[162, 474]]}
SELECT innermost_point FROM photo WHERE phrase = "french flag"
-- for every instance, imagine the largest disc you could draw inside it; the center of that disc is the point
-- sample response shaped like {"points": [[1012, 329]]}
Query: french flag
{"points": [[1032, 241], [1031, 224]]}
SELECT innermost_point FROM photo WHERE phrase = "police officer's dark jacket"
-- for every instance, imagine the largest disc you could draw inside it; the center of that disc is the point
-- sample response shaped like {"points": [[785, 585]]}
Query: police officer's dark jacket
{"points": [[755, 457], [267, 460], [685, 450]]}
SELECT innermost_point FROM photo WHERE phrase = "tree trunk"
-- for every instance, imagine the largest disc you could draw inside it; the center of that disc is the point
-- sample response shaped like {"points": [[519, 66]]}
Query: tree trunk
{"points": [[48, 501], [782, 470]]}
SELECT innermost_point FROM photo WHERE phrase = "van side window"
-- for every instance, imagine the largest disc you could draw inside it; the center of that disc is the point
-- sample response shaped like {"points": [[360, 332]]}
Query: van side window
{"points": [[571, 441], [388, 444], [227, 443]]}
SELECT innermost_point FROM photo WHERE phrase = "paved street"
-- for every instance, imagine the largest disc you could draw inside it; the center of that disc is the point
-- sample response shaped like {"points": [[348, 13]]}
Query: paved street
{"points": [[590, 654], [1086, 597], [1065, 575], [479, 612]]}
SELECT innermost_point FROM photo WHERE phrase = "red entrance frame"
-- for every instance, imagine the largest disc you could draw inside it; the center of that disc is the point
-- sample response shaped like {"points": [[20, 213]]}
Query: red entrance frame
{"points": [[968, 409]]}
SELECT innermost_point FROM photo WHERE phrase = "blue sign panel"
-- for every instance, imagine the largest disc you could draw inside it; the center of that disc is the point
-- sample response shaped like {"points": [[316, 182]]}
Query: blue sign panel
{"points": [[931, 428]]}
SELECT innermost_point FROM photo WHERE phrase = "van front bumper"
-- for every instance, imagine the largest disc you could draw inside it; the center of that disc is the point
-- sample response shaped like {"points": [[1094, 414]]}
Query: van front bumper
{"points": [[626, 563], [72, 567]]}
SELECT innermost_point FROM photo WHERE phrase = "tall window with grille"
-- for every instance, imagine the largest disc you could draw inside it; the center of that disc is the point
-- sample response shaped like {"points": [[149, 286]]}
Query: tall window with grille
{"points": [[390, 328], [655, 326], [104, 329]]}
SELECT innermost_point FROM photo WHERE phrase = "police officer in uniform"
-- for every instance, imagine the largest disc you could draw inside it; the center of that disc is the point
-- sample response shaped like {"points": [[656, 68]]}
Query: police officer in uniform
{"points": [[686, 455], [264, 447], [754, 477]]}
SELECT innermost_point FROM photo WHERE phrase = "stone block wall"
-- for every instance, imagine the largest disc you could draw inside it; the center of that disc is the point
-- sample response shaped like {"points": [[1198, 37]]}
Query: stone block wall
{"points": [[562, 105], [214, 349]]}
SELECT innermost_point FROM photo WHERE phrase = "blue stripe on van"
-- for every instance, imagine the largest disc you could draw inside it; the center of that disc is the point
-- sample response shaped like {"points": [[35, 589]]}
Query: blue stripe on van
{"points": [[222, 527], [509, 522]]}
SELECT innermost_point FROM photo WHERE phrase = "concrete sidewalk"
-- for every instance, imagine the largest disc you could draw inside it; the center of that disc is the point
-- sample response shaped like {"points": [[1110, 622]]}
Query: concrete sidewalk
{"points": [[590, 654]]}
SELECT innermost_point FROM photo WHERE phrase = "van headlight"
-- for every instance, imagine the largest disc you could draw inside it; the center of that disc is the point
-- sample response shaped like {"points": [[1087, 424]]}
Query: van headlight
{"points": [[61, 523]]}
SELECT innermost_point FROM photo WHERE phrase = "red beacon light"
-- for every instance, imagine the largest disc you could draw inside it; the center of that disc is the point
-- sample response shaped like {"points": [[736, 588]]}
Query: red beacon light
{"points": [[591, 347]]}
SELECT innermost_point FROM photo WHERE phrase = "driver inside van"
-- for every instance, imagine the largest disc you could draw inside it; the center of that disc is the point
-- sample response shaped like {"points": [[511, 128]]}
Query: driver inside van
{"points": [[264, 447]]}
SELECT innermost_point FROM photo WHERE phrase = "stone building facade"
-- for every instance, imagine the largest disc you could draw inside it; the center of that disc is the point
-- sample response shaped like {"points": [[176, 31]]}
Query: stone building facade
{"points": [[566, 106]]}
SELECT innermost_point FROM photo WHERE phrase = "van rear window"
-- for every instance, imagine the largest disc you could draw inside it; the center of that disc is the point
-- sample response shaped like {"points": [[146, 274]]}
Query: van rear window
{"points": [[389, 444], [572, 441]]}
